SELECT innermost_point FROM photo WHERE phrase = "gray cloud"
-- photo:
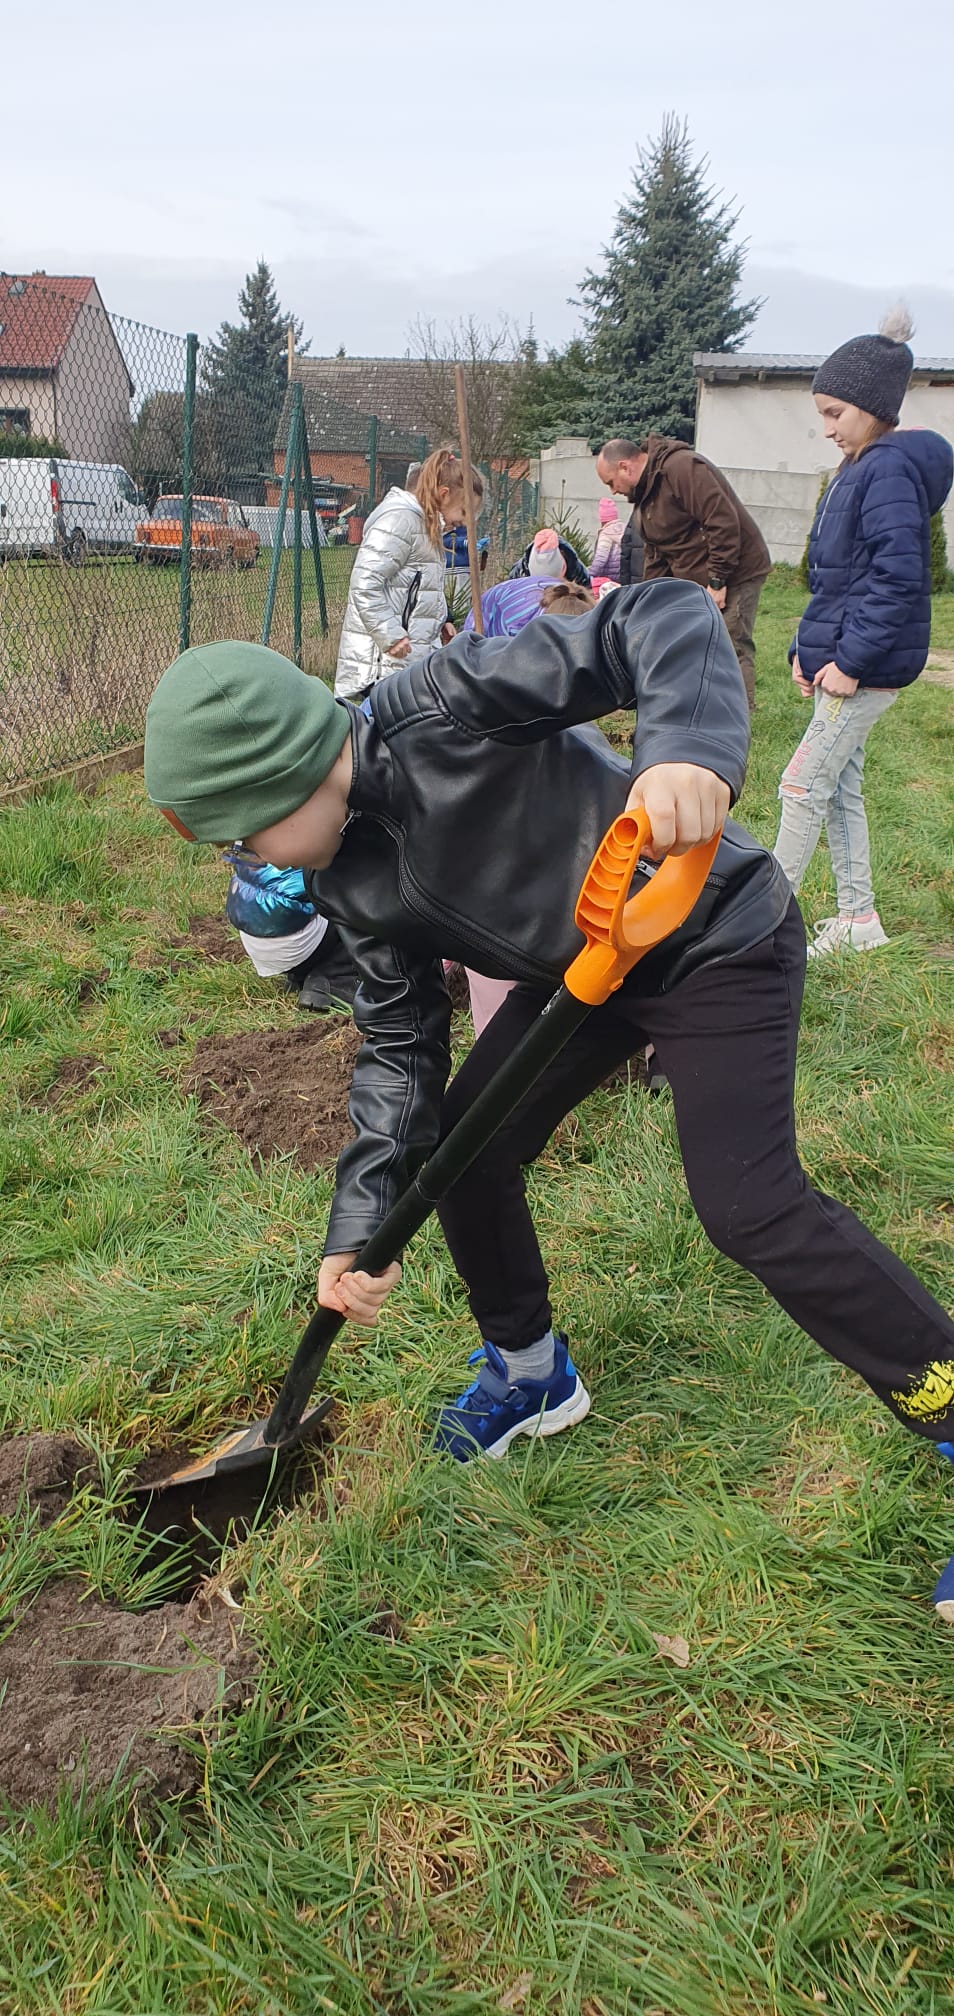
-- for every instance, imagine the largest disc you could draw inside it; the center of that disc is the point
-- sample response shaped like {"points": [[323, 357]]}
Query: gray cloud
{"points": [[805, 311], [318, 219], [370, 304]]}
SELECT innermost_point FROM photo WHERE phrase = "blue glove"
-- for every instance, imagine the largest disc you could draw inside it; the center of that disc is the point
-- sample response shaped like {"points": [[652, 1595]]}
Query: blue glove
{"points": [[266, 902]]}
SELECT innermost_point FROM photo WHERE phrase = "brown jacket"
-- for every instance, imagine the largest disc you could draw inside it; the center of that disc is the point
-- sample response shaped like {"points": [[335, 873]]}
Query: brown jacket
{"points": [[694, 525]]}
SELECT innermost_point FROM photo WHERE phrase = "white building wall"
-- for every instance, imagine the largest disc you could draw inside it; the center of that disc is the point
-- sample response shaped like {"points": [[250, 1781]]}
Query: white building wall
{"points": [[569, 483], [769, 441]]}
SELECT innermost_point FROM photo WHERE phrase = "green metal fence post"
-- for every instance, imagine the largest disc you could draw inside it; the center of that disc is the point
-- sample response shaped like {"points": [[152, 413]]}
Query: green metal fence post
{"points": [[296, 548], [313, 524], [372, 460], [188, 458], [291, 450]]}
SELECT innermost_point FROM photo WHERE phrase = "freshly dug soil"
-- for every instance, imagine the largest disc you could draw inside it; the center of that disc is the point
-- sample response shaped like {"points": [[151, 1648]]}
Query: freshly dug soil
{"points": [[91, 985], [91, 1690], [74, 1075], [281, 1091], [211, 937], [39, 1472], [207, 938]]}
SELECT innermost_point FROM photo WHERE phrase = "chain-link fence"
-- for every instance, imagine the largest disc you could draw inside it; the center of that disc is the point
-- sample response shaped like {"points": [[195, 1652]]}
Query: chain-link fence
{"points": [[84, 631], [368, 418], [156, 492], [100, 420]]}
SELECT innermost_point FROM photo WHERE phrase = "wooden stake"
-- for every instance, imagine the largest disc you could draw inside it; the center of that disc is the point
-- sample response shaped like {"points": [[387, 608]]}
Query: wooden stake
{"points": [[470, 511]]}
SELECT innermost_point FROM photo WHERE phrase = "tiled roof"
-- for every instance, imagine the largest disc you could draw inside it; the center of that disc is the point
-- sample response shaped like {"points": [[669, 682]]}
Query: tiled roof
{"points": [[395, 388], [339, 428], [37, 314], [742, 364]]}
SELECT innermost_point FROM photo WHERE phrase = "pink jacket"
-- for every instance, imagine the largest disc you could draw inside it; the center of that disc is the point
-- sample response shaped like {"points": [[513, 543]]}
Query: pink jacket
{"points": [[606, 551]]}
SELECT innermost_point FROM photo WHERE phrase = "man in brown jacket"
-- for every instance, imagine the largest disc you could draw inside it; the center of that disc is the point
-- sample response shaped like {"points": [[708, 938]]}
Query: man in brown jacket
{"points": [[695, 528]]}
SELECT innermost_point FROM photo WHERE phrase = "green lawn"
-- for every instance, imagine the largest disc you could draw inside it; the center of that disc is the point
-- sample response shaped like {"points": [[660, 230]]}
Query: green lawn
{"points": [[518, 1803]]}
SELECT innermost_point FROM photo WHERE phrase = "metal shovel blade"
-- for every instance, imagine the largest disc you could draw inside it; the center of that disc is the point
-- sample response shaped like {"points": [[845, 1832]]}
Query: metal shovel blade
{"points": [[244, 1450]]}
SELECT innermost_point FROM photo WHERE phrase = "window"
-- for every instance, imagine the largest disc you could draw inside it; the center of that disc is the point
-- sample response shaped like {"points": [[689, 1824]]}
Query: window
{"points": [[204, 512], [14, 419]]}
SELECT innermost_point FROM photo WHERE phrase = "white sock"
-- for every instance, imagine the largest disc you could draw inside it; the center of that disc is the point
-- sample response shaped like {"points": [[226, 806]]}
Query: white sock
{"points": [[536, 1361]]}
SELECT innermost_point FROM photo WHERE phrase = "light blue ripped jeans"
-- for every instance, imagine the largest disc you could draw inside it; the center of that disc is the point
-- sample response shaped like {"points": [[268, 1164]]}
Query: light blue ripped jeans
{"points": [[823, 782]]}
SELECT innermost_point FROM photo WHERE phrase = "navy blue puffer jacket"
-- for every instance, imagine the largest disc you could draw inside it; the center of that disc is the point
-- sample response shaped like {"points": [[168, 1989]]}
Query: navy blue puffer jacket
{"points": [[869, 565]]}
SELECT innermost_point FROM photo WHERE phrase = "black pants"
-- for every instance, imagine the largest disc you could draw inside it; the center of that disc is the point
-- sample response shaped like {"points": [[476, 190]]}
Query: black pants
{"points": [[726, 1040]]}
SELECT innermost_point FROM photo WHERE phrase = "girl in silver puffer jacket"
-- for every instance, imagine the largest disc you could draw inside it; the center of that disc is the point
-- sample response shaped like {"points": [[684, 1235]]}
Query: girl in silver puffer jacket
{"points": [[396, 607]]}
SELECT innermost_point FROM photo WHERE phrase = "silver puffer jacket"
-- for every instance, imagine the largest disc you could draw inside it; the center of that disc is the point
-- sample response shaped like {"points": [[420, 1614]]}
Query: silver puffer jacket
{"points": [[397, 590]]}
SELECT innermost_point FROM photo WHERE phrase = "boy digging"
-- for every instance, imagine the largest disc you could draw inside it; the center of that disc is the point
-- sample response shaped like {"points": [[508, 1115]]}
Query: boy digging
{"points": [[453, 816]]}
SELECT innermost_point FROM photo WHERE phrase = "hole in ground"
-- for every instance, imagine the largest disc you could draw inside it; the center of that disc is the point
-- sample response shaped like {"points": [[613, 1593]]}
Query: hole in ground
{"points": [[184, 1529]]}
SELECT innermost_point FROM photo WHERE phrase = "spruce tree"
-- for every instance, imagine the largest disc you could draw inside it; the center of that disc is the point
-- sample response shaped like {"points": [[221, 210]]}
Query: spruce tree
{"points": [[667, 288], [550, 395], [244, 375]]}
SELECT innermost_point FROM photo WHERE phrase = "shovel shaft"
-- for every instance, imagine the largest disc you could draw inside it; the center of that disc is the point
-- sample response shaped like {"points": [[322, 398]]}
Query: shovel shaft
{"points": [[619, 929], [562, 1015]]}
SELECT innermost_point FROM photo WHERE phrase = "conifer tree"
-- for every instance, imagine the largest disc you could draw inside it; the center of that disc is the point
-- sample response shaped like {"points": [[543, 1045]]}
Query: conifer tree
{"points": [[668, 287]]}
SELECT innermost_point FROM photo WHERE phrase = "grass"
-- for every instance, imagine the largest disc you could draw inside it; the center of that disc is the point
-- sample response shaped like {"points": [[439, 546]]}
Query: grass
{"points": [[518, 1803]]}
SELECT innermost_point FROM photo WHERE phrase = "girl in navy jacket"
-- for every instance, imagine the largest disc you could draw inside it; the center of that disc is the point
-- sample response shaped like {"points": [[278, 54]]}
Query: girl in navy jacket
{"points": [[866, 630]]}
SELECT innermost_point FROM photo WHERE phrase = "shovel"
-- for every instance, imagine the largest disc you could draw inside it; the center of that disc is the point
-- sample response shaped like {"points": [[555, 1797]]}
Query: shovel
{"points": [[619, 930]]}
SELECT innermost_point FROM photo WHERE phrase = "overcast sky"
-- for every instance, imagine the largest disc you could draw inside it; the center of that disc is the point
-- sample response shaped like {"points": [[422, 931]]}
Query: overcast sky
{"points": [[393, 161]]}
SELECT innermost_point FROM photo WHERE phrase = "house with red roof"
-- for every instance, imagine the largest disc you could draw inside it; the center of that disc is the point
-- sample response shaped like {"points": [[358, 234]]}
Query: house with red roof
{"points": [[63, 376]]}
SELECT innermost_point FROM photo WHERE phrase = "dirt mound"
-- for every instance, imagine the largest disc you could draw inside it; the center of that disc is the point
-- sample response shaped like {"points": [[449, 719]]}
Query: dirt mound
{"points": [[41, 1472], [75, 1074], [211, 937], [91, 986], [90, 1690], [207, 937], [282, 1091]]}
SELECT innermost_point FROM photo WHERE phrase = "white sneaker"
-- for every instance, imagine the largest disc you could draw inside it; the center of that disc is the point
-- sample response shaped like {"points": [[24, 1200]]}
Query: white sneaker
{"points": [[836, 934]]}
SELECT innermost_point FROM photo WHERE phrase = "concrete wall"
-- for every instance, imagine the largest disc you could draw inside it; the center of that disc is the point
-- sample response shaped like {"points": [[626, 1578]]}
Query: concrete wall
{"points": [[782, 502], [569, 483], [768, 439]]}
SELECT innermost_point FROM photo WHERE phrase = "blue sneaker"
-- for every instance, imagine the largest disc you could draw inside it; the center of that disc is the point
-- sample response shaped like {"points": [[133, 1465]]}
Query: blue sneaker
{"points": [[944, 1593], [485, 1420]]}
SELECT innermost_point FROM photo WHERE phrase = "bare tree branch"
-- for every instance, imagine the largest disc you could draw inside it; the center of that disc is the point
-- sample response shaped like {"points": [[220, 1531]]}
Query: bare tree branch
{"points": [[490, 355]]}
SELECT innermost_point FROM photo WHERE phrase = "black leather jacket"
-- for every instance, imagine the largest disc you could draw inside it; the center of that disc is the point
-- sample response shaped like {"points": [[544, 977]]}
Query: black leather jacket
{"points": [[478, 799]]}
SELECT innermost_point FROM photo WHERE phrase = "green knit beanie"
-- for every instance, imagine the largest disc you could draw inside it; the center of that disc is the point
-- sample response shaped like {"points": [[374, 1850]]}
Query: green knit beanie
{"points": [[236, 738]]}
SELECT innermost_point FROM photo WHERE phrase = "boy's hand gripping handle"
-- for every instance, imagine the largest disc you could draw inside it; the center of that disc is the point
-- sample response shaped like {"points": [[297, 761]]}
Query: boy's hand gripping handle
{"points": [[619, 929]]}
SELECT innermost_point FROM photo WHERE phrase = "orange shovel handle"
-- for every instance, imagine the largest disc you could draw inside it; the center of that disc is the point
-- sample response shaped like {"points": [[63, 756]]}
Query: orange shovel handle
{"points": [[619, 929]]}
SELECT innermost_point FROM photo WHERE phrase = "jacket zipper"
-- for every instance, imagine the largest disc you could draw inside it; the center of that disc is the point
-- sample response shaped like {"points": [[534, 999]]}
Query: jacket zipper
{"points": [[826, 500], [416, 900]]}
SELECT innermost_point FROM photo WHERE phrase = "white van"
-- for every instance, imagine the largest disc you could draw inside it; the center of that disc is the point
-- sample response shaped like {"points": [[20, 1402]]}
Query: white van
{"points": [[51, 505]]}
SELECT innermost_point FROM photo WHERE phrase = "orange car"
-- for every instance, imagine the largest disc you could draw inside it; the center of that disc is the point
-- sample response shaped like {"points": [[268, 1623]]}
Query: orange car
{"points": [[221, 534]]}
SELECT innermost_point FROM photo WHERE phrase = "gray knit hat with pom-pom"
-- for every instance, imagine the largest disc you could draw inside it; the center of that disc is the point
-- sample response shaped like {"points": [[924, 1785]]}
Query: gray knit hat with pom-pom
{"points": [[871, 371]]}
